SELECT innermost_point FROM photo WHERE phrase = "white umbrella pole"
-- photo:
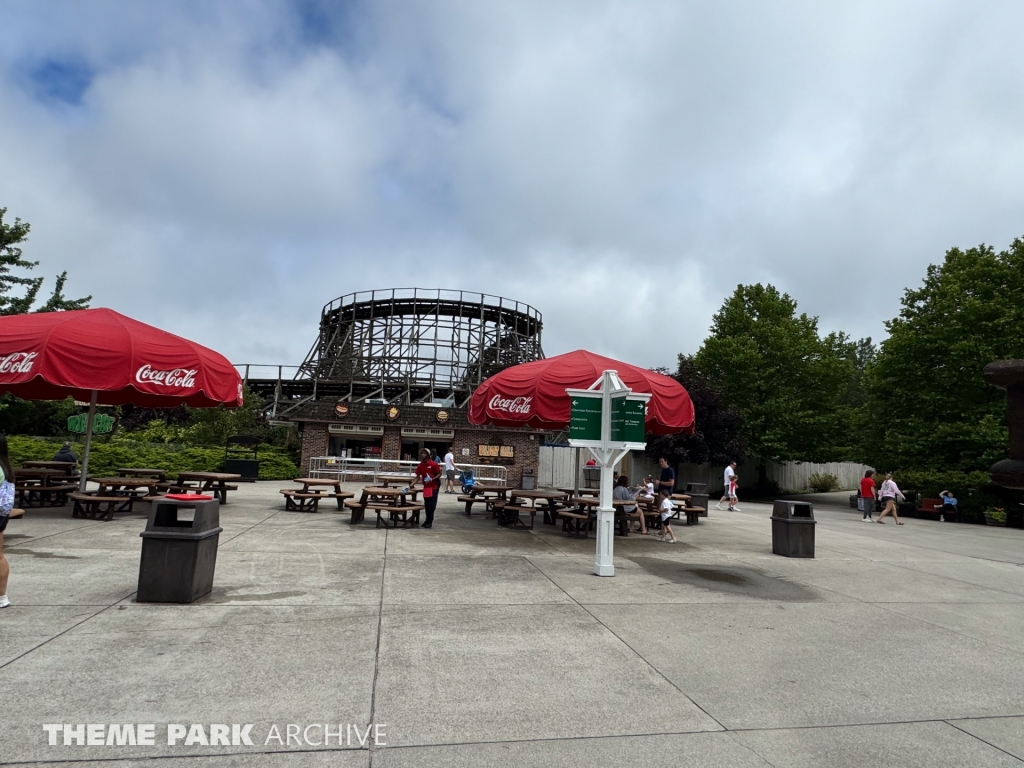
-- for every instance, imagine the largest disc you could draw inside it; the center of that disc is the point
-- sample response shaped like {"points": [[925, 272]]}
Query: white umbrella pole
{"points": [[88, 441]]}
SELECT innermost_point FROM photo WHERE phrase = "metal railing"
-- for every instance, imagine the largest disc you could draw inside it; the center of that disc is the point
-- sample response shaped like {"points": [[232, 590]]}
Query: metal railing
{"points": [[361, 470]]}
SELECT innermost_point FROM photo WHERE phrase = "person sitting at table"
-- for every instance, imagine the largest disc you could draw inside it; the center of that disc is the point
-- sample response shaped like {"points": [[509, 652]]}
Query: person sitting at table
{"points": [[949, 505], [646, 491], [66, 454], [622, 492], [428, 474]]}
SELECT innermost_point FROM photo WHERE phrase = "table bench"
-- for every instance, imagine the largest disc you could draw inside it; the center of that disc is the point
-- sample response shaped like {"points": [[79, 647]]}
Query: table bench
{"points": [[511, 514], [576, 525], [95, 507]]}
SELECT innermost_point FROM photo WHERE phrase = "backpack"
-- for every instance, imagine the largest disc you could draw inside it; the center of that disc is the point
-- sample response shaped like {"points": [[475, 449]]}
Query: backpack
{"points": [[6, 498]]}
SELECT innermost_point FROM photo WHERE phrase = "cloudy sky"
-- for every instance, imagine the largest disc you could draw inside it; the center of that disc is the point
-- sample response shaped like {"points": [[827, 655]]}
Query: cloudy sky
{"points": [[223, 169]]}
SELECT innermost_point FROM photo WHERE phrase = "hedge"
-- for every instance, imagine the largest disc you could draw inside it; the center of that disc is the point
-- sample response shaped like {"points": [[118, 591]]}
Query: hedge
{"points": [[106, 457]]}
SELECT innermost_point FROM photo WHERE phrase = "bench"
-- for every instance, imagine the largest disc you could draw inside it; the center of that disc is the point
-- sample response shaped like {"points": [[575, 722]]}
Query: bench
{"points": [[509, 514], [358, 510], [933, 508], [391, 516], [297, 501], [692, 514], [576, 525], [99, 507]]}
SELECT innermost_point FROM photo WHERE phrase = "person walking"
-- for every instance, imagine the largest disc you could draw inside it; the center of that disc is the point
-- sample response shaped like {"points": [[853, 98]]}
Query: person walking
{"points": [[730, 473], [667, 510], [6, 507], [449, 470], [428, 474], [866, 498], [889, 493], [733, 498]]}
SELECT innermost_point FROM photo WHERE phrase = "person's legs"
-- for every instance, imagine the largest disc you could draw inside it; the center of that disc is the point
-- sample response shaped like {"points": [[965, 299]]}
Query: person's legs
{"points": [[429, 504], [667, 531], [887, 511], [5, 572]]}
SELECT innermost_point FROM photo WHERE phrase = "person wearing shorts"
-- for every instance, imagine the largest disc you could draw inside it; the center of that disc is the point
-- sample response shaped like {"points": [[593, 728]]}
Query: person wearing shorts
{"points": [[667, 510], [889, 493], [449, 470]]}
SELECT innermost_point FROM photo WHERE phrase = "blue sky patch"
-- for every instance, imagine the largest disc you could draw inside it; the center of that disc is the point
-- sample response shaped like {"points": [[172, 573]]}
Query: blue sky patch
{"points": [[63, 80]]}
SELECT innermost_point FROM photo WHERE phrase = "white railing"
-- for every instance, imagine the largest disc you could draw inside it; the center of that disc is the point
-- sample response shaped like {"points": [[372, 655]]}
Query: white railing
{"points": [[362, 470]]}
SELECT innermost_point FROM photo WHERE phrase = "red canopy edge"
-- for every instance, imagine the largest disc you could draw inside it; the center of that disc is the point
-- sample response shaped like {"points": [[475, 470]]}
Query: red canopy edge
{"points": [[533, 394]]}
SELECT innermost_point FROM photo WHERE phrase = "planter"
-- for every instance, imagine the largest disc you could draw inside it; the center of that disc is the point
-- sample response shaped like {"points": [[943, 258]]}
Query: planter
{"points": [[993, 520]]}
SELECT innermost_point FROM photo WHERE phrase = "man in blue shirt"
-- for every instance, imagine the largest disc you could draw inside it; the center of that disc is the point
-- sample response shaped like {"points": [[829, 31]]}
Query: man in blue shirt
{"points": [[667, 482]]}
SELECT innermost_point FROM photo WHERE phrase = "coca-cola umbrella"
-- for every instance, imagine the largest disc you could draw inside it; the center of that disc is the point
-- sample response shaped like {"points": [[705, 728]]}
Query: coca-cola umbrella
{"points": [[533, 394], [105, 358]]}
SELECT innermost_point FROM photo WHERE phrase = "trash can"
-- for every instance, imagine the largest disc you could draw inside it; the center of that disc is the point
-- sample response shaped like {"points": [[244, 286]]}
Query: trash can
{"points": [[179, 551], [529, 481], [793, 529], [698, 493]]}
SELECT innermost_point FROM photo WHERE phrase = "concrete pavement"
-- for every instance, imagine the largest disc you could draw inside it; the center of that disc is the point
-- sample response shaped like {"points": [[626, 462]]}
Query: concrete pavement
{"points": [[475, 645]]}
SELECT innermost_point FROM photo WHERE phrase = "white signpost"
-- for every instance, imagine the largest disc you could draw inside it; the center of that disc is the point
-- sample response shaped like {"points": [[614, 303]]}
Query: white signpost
{"points": [[608, 419]]}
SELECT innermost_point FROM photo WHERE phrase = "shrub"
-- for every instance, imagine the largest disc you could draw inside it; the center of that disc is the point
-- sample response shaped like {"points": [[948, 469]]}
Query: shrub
{"points": [[106, 457], [823, 482]]}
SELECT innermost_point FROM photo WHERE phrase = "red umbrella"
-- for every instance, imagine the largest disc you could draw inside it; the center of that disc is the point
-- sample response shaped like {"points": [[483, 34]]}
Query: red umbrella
{"points": [[106, 358], [533, 394]]}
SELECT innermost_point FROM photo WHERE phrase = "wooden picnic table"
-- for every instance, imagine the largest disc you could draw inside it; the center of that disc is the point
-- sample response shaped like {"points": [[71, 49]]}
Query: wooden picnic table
{"points": [[314, 489], [64, 467], [159, 474], [127, 486], [41, 487], [549, 497], [570, 492], [208, 482], [392, 505], [486, 496], [395, 477]]}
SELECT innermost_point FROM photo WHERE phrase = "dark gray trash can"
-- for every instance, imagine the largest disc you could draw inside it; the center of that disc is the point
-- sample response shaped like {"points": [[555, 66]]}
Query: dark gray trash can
{"points": [[529, 481], [793, 529], [698, 493], [179, 551]]}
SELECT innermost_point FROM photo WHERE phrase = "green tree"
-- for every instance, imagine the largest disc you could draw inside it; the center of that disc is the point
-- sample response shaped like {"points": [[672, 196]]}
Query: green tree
{"points": [[718, 435], [930, 408], [785, 379], [11, 237]]}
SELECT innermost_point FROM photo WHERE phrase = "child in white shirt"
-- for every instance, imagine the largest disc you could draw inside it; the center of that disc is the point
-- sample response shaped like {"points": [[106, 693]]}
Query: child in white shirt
{"points": [[667, 510]]}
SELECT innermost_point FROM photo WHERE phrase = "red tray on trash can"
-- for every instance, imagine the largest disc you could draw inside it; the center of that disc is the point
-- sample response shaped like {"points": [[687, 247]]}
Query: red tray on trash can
{"points": [[188, 497]]}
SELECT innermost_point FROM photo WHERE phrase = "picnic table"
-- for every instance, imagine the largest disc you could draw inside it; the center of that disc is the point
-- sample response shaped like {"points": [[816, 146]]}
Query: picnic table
{"points": [[159, 474], [489, 497], [314, 489], [207, 482], [550, 497], [386, 478], [569, 492], [41, 487], [392, 505], [138, 487], [65, 467]]}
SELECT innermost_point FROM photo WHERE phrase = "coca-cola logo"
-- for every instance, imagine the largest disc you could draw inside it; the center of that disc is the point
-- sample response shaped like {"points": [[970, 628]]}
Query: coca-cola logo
{"points": [[511, 404], [178, 377], [18, 362]]}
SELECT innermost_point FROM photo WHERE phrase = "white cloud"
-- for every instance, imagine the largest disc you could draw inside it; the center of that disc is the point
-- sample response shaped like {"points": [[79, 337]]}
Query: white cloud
{"points": [[620, 166]]}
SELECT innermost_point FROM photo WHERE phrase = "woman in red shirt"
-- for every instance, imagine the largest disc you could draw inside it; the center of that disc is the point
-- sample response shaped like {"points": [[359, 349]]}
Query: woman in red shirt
{"points": [[867, 495], [428, 474]]}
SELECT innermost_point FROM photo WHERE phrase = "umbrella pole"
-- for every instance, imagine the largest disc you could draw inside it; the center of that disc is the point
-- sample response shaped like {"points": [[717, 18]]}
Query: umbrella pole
{"points": [[88, 441]]}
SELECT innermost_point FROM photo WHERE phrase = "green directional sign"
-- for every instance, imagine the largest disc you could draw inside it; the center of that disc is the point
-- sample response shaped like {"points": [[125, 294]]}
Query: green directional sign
{"points": [[101, 423], [628, 418], [585, 417]]}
